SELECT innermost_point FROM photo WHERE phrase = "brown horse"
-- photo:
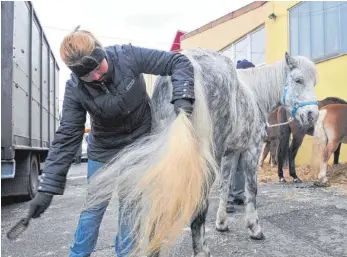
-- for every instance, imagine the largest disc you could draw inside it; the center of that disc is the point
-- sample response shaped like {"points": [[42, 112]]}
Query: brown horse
{"points": [[279, 138], [330, 131], [272, 140]]}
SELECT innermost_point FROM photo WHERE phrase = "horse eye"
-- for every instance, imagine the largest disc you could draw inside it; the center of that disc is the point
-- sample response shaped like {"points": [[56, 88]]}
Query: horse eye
{"points": [[299, 81]]}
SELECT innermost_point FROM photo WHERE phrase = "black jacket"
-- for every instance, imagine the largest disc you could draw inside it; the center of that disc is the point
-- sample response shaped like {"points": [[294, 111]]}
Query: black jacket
{"points": [[119, 108]]}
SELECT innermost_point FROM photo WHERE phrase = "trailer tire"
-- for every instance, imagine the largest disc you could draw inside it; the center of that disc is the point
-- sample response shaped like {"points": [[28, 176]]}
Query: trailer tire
{"points": [[25, 182], [33, 180]]}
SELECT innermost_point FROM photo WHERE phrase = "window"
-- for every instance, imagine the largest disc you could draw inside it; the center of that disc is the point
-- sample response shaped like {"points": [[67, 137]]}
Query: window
{"points": [[250, 47], [318, 29]]}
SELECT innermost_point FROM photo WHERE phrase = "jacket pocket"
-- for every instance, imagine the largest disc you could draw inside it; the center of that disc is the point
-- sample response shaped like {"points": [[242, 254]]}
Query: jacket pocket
{"points": [[134, 93]]}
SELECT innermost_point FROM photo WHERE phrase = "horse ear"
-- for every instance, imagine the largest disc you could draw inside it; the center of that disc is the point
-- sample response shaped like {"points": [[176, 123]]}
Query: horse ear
{"points": [[290, 61]]}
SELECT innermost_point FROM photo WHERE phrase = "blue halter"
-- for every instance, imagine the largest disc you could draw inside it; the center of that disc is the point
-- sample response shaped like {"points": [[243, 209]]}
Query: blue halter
{"points": [[296, 105]]}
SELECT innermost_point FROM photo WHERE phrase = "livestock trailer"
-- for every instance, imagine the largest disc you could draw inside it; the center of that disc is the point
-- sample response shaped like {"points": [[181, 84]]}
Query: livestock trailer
{"points": [[29, 104]]}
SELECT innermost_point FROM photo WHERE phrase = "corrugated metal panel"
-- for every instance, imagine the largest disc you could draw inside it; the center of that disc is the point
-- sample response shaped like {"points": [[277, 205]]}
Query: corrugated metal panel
{"points": [[45, 93], [25, 81], [21, 69], [35, 85], [7, 14], [57, 99], [51, 97]]}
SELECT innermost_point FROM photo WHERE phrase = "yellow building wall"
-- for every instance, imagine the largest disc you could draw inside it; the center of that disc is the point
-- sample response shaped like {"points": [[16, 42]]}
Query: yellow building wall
{"points": [[227, 32], [332, 74], [277, 31]]}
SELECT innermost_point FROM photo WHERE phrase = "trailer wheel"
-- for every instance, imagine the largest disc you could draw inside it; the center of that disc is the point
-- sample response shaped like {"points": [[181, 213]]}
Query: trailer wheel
{"points": [[33, 181]]}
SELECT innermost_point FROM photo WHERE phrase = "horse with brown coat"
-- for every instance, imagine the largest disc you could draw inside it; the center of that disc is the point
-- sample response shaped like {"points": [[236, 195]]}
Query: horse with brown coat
{"points": [[279, 137], [330, 131]]}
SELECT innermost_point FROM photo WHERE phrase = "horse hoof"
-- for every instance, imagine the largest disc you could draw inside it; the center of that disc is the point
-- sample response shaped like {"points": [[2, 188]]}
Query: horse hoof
{"points": [[258, 236], [223, 227], [203, 254], [324, 180], [282, 180], [320, 184], [297, 180]]}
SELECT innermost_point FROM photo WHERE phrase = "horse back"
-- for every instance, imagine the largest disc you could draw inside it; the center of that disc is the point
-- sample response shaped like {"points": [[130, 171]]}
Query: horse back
{"points": [[330, 100], [335, 121]]}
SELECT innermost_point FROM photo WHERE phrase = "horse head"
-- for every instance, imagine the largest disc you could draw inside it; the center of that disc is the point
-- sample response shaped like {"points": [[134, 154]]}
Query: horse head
{"points": [[299, 95]]}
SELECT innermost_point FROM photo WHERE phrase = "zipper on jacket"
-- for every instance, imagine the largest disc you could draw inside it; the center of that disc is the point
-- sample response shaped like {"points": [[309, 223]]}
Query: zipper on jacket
{"points": [[103, 86]]}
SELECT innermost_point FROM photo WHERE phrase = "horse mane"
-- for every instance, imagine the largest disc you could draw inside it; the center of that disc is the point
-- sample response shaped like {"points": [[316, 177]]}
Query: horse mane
{"points": [[270, 79], [276, 106], [266, 80]]}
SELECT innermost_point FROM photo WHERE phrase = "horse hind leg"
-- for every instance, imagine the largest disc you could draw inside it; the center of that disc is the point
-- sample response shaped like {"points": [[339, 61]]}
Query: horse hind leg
{"points": [[249, 166], [197, 226], [282, 150], [337, 155], [273, 151], [329, 149], [264, 153], [155, 254], [293, 150], [200, 247], [229, 166]]}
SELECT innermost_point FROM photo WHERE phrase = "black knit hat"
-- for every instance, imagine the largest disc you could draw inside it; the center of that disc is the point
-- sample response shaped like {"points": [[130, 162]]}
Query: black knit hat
{"points": [[244, 64]]}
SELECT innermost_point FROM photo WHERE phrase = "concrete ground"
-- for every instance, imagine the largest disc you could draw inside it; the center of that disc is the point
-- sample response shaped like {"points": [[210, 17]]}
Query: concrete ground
{"points": [[303, 222]]}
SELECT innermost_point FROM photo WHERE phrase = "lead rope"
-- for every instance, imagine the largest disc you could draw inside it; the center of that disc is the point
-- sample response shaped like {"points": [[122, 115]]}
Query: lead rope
{"points": [[280, 124], [291, 118]]}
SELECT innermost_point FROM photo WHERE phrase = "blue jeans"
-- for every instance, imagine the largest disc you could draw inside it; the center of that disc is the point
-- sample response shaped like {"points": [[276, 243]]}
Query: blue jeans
{"points": [[237, 189], [87, 230]]}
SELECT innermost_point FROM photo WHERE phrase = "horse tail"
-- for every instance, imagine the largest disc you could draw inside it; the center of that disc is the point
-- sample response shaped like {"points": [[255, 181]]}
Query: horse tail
{"points": [[167, 177], [320, 140]]}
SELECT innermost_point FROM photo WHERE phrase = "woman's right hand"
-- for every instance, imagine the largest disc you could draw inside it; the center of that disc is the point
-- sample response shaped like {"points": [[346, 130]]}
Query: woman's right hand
{"points": [[39, 204]]}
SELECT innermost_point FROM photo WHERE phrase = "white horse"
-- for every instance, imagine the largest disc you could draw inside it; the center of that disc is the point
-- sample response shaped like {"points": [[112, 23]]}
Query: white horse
{"points": [[167, 176]]}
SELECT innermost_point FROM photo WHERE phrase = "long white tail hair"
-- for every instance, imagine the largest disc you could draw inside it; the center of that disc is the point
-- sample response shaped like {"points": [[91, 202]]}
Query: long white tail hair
{"points": [[164, 178]]}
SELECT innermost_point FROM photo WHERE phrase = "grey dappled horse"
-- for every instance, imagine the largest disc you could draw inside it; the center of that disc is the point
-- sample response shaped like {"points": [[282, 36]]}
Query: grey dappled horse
{"points": [[230, 119]]}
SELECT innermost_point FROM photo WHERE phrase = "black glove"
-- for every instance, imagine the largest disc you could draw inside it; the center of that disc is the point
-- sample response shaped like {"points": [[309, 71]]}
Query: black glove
{"points": [[184, 104], [39, 204]]}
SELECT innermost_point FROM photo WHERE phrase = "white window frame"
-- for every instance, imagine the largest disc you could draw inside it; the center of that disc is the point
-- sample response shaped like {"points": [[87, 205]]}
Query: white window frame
{"points": [[315, 59], [249, 50]]}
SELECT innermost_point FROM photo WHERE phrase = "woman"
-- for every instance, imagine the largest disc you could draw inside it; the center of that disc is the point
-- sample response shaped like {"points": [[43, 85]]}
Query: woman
{"points": [[106, 82]]}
